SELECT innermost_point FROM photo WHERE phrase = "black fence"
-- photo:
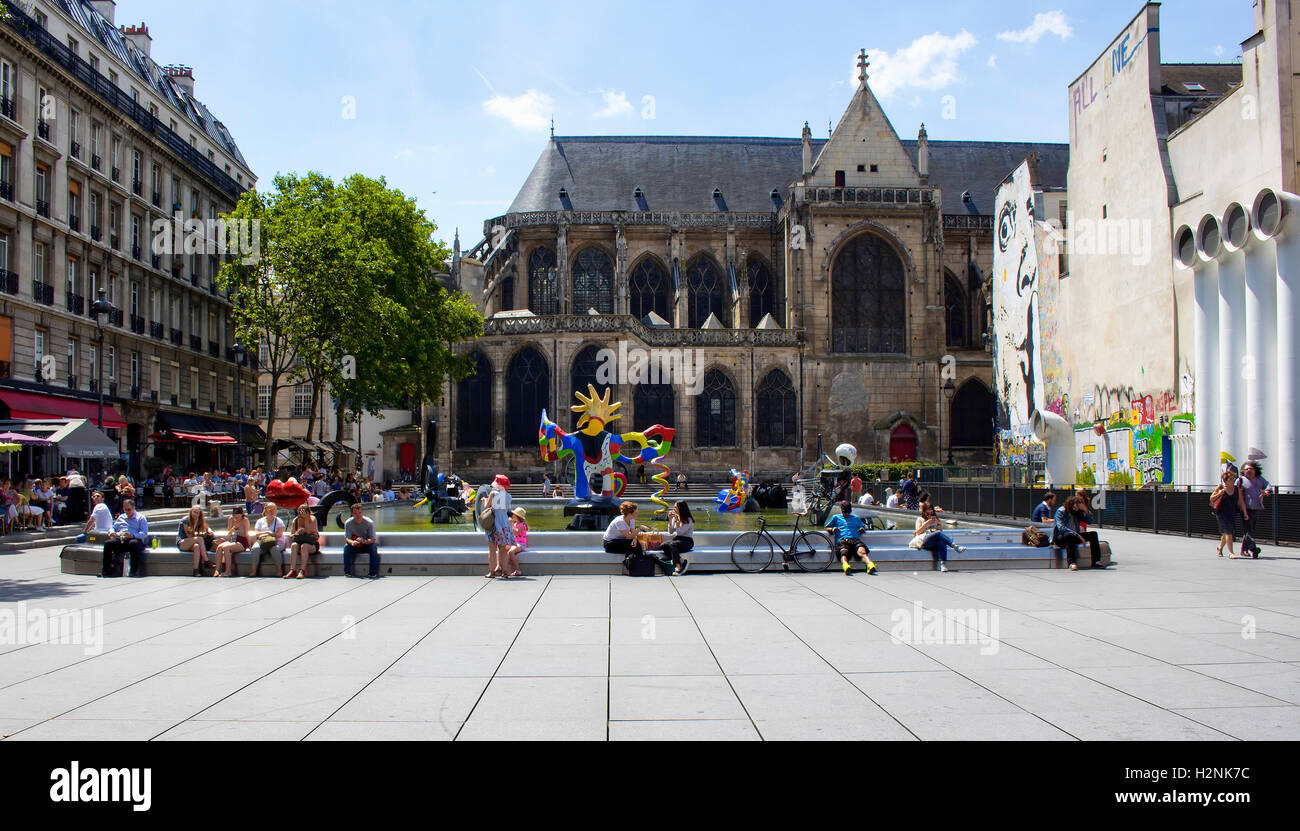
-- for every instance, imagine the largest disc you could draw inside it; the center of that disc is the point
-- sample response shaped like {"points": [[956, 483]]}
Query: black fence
{"points": [[1164, 511]]}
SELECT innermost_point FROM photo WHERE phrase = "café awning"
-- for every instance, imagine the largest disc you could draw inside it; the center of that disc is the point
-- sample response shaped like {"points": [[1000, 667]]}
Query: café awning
{"points": [[33, 405], [201, 438], [80, 439]]}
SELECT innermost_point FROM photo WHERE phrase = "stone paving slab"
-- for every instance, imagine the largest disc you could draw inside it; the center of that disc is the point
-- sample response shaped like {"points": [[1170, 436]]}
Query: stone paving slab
{"points": [[1171, 643]]}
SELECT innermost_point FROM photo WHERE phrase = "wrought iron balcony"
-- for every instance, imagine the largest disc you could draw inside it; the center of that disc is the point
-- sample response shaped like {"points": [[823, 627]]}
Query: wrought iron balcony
{"points": [[7, 191], [137, 187], [156, 330], [43, 208], [137, 324], [116, 175], [76, 149], [214, 349], [43, 129], [8, 282], [136, 252], [96, 233], [177, 337], [155, 261], [74, 222], [115, 317], [96, 161], [75, 303], [196, 343], [72, 382], [967, 222], [7, 108], [113, 242], [157, 199], [42, 293], [194, 279]]}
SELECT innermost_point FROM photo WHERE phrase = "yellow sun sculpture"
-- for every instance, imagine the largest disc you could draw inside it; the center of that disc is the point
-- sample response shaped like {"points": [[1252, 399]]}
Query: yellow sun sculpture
{"points": [[596, 412]]}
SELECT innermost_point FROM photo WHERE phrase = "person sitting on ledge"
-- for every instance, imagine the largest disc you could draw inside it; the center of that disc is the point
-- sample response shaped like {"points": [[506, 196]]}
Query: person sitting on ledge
{"points": [[1044, 510], [130, 537], [1069, 532], [360, 538], [848, 539], [620, 536], [270, 538]]}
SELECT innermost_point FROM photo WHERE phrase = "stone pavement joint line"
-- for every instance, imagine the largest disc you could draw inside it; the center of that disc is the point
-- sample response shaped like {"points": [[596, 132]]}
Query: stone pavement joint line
{"points": [[1171, 643]]}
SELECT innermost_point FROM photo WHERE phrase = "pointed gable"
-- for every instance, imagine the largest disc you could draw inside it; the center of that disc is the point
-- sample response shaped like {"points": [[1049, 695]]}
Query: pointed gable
{"points": [[865, 137]]}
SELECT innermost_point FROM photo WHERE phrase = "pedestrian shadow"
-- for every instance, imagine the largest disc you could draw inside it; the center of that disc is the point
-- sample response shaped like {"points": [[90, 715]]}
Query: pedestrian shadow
{"points": [[17, 590]]}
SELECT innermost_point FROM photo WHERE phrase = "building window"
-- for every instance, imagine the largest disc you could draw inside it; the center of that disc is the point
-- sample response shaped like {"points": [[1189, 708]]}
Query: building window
{"points": [[715, 411], [301, 401], [654, 404], [593, 282], [650, 290], [8, 88], [263, 401], [528, 386], [868, 300], [704, 284], [474, 405], [971, 416], [582, 374], [38, 349], [956, 313], [543, 283], [74, 363], [762, 290], [776, 411], [135, 371]]}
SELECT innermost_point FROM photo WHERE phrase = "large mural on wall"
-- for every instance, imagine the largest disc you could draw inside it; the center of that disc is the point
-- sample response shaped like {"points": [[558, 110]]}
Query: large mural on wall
{"points": [[1122, 435]]}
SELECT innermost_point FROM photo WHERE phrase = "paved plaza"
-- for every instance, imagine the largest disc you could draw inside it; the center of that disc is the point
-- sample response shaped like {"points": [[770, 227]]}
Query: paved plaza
{"points": [[1172, 643]]}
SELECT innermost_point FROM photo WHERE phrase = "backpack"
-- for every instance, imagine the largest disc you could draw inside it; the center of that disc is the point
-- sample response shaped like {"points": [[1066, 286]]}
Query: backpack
{"points": [[1034, 537]]}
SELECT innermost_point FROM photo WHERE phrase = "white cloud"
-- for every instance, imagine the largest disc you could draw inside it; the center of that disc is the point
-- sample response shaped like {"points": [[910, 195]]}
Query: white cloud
{"points": [[929, 62], [529, 111], [616, 104], [491, 170], [1218, 51], [993, 61], [1045, 23]]}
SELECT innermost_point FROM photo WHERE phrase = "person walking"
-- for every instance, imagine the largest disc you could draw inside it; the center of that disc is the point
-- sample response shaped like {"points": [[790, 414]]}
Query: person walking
{"points": [[1227, 501], [1254, 487]]}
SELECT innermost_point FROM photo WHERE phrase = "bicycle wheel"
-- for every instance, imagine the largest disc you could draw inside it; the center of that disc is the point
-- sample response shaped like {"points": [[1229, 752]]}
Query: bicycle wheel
{"points": [[751, 552], [812, 551]]}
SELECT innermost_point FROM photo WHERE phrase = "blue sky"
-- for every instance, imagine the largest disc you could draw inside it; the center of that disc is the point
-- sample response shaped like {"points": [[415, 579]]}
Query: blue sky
{"points": [[453, 100]]}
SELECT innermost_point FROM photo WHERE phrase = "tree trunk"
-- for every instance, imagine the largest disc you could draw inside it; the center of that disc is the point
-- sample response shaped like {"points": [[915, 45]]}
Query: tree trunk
{"points": [[270, 422]]}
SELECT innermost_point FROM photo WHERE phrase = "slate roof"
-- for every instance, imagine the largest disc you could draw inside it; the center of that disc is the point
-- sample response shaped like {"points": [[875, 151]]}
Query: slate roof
{"points": [[679, 173], [1217, 78], [146, 70]]}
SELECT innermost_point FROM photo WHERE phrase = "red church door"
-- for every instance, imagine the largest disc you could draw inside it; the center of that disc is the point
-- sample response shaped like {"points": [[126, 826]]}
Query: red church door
{"points": [[406, 458], [902, 444]]}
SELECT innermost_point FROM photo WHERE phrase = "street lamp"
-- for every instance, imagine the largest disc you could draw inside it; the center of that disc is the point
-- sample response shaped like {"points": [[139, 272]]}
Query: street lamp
{"points": [[239, 352], [949, 390], [98, 309]]}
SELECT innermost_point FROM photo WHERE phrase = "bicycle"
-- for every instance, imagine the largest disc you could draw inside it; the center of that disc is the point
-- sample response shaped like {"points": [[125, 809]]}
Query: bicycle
{"points": [[754, 551]]}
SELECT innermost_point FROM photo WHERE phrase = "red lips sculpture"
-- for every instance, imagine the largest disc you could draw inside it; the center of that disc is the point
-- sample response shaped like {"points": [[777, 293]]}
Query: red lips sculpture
{"points": [[288, 495]]}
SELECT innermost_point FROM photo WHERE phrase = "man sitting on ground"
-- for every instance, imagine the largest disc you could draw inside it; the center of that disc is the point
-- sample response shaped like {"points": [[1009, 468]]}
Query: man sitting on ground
{"points": [[848, 538], [360, 538], [130, 537], [1045, 509]]}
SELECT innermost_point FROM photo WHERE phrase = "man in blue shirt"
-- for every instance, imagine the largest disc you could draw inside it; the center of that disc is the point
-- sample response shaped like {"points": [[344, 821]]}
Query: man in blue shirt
{"points": [[848, 538], [130, 537], [1045, 509]]}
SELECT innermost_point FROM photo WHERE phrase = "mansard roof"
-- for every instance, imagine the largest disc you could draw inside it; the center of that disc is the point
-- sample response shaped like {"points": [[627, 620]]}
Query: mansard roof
{"points": [[680, 173]]}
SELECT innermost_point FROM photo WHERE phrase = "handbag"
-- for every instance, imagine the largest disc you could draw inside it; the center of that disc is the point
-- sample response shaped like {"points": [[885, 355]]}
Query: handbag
{"points": [[651, 541], [1034, 537], [1216, 502]]}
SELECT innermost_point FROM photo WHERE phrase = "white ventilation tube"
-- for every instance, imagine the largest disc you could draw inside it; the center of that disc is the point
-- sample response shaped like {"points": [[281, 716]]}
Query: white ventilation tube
{"points": [[1276, 215], [1205, 326], [1231, 398], [1056, 433], [1261, 328]]}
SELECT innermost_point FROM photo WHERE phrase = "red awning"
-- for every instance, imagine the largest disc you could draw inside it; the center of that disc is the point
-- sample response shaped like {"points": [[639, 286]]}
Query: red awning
{"points": [[32, 405], [202, 438]]}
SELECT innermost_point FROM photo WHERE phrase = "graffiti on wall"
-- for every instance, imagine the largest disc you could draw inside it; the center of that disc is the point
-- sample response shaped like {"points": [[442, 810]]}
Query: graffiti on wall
{"points": [[1091, 89], [1130, 448], [1017, 361]]}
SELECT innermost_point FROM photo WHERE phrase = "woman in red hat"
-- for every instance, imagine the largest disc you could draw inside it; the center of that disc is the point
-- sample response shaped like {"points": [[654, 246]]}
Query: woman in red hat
{"points": [[500, 535]]}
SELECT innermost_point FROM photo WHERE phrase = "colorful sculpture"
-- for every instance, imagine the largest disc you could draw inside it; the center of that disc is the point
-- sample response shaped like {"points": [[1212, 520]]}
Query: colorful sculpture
{"points": [[733, 499], [594, 449]]}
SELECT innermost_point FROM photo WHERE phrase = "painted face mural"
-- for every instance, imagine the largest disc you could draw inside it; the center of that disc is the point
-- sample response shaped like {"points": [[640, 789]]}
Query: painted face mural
{"points": [[1017, 357]]}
